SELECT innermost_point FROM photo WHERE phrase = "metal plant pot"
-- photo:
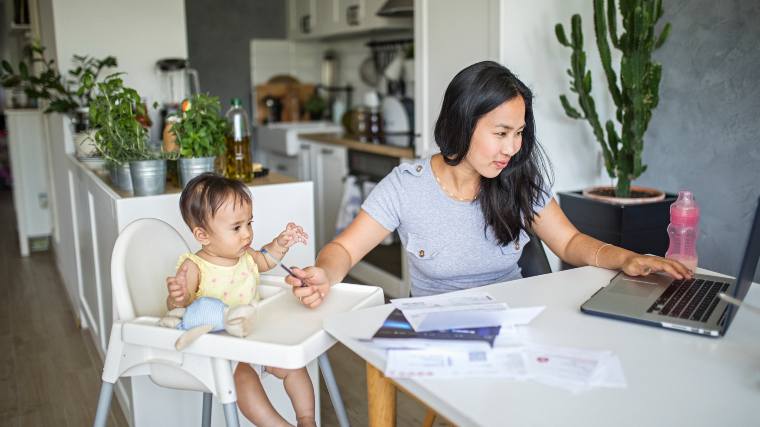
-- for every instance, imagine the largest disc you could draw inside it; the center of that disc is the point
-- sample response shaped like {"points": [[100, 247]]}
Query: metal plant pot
{"points": [[123, 177], [191, 167], [148, 177]]}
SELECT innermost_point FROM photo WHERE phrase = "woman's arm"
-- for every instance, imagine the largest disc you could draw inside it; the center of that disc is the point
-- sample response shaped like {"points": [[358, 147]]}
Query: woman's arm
{"points": [[576, 248], [336, 259]]}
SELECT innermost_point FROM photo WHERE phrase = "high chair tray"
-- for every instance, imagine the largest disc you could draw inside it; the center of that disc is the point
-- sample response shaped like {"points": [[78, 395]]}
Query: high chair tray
{"points": [[286, 335]]}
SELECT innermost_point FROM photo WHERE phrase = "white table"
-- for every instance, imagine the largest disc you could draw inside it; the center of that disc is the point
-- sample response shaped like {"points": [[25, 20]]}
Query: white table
{"points": [[673, 378]]}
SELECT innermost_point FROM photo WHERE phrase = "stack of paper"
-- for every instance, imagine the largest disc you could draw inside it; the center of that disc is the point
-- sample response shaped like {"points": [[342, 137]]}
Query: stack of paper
{"points": [[470, 310]]}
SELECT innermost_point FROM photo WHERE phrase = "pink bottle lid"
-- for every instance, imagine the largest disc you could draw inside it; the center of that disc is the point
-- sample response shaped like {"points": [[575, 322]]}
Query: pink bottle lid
{"points": [[684, 211]]}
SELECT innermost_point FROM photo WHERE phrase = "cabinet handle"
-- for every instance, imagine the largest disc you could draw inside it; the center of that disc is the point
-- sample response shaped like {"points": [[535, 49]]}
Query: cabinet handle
{"points": [[304, 146], [352, 15], [306, 24], [326, 151]]}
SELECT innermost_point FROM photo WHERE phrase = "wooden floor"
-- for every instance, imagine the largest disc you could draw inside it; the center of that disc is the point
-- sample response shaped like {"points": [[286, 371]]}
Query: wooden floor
{"points": [[50, 370]]}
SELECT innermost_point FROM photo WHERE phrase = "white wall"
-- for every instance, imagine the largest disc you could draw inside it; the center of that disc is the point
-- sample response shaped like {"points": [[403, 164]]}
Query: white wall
{"points": [[136, 32], [530, 49], [532, 52]]}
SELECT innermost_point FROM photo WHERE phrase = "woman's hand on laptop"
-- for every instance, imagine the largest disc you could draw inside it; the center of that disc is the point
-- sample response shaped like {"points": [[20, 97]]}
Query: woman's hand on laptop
{"points": [[642, 265]]}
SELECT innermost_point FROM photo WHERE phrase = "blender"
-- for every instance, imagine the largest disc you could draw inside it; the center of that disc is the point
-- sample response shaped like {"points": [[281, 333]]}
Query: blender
{"points": [[178, 82]]}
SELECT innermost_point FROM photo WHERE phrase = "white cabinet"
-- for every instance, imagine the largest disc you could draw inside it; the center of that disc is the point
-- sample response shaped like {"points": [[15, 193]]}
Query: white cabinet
{"points": [[314, 19], [27, 146], [329, 167], [448, 36]]}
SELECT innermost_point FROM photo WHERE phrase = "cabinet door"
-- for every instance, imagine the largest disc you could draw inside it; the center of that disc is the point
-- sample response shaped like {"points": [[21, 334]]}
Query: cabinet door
{"points": [[351, 14], [329, 167], [286, 165], [449, 35], [304, 17]]}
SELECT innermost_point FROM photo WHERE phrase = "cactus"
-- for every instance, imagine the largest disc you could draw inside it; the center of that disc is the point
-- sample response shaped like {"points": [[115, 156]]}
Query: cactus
{"points": [[635, 95]]}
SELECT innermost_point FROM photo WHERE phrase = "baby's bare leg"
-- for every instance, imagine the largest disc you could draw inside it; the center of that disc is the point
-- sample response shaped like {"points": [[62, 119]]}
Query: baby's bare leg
{"points": [[301, 392], [253, 401]]}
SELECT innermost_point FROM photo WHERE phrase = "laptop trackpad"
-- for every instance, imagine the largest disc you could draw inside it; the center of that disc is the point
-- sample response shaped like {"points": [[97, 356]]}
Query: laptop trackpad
{"points": [[635, 287]]}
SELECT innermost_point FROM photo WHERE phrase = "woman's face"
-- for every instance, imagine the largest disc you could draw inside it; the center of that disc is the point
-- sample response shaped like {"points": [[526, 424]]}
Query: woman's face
{"points": [[497, 138]]}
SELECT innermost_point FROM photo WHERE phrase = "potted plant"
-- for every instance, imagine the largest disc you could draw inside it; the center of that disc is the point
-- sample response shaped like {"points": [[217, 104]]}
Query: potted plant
{"points": [[200, 135], [315, 106], [632, 217], [122, 140], [69, 96]]}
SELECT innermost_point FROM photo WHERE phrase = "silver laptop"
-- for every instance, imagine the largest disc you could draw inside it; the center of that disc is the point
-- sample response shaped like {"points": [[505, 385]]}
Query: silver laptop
{"points": [[686, 305]]}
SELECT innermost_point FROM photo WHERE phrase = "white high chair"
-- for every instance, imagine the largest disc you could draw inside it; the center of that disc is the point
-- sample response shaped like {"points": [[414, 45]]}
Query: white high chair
{"points": [[144, 254]]}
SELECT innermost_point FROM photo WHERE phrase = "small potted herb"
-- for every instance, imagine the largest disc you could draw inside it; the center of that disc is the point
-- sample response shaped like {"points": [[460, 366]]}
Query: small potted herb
{"points": [[200, 133], [122, 140], [315, 106]]}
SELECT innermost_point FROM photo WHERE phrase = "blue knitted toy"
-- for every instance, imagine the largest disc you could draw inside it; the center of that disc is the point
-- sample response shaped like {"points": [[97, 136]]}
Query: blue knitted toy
{"points": [[207, 314]]}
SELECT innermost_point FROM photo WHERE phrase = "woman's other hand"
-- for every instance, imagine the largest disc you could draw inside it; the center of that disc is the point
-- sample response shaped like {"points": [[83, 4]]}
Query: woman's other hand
{"points": [[310, 285], [642, 265]]}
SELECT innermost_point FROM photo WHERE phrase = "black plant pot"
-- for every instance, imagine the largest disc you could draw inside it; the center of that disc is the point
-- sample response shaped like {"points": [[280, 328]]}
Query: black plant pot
{"points": [[640, 228]]}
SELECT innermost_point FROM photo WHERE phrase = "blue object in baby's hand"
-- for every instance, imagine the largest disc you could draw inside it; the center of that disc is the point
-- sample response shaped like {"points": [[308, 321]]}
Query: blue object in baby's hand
{"points": [[204, 311]]}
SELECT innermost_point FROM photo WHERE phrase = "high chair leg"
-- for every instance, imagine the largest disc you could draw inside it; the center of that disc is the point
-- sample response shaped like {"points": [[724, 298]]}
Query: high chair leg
{"points": [[231, 414], [206, 417], [333, 390], [104, 403]]}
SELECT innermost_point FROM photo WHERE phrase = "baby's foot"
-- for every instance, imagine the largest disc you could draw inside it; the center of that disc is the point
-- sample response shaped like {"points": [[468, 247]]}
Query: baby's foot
{"points": [[306, 422]]}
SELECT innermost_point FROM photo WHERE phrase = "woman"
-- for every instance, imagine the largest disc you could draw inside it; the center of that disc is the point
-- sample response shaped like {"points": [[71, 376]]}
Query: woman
{"points": [[462, 215]]}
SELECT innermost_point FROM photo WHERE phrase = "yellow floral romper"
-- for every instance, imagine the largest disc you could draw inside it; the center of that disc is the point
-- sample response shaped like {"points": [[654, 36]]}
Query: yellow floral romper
{"points": [[234, 285]]}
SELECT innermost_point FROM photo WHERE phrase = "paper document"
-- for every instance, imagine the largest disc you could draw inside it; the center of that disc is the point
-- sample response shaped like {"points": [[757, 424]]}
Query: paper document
{"points": [[573, 369], [439, 312], [441, 363]]}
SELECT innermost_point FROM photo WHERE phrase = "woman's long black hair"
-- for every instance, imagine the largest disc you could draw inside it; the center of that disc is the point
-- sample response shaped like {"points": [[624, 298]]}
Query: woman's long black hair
{"points": [[507, 200]]}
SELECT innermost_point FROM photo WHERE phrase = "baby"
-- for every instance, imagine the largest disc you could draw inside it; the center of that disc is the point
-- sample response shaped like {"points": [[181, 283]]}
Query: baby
{"points": [[219, 213]]}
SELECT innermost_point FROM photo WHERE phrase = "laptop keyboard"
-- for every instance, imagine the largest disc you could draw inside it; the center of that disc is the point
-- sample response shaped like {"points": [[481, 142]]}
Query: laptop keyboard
{"points": [[693, 299]]}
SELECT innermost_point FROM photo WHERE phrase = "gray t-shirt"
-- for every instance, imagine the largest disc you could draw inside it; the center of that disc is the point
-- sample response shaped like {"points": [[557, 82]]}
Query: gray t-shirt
{"points": [[444, 238]]}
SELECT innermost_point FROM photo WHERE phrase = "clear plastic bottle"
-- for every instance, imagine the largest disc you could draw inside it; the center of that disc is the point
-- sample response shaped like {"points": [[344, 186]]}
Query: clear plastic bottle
{"points": [[238, 165], [684, 230]]}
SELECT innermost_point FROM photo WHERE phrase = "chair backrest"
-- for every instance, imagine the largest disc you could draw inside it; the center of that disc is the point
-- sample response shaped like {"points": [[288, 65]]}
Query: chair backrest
{"points": [[145, 253], [533, 261]]}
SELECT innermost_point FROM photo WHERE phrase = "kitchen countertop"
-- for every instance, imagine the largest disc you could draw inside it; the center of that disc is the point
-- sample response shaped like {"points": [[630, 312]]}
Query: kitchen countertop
{"points": [[269, 179], [353, 144]]}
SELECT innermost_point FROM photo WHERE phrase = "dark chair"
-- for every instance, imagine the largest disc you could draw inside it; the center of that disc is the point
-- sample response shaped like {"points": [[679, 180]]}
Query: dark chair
{"points": [[533, 261]]}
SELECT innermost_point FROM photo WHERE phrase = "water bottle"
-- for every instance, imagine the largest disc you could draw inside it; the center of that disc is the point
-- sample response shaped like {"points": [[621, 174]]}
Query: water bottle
{"points": [[238, 165], [683, 230]]}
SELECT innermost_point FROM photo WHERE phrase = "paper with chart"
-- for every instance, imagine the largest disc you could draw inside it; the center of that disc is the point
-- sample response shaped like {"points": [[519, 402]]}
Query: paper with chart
{"points": [[572, 369], [442, 363]]}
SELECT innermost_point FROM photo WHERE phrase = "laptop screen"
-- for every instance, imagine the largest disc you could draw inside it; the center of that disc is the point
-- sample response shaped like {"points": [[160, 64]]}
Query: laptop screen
{"points": [[747, 269]]}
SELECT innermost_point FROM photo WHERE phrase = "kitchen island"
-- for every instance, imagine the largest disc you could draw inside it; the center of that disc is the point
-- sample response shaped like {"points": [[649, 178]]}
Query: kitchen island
{"points": [[100, 212]]}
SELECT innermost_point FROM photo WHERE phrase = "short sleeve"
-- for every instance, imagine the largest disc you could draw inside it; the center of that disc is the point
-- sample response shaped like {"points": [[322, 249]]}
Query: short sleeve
{"points": [[543, 199], [383, 203]]}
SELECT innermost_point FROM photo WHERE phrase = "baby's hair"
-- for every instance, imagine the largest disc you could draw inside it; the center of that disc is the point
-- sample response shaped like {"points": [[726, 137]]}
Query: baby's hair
{"points": [[205, 194]]}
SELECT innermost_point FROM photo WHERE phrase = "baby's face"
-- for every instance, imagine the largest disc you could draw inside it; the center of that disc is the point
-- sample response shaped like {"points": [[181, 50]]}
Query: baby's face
{"points": [[231, 232]]}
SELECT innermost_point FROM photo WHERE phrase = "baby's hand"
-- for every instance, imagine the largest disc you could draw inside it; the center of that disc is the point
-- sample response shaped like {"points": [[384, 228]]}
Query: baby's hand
{"points": [[292, 234], [177, 287]]}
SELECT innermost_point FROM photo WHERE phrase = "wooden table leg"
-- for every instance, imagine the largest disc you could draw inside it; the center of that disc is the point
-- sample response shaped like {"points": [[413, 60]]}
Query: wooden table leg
{"points": [[381, 399]]}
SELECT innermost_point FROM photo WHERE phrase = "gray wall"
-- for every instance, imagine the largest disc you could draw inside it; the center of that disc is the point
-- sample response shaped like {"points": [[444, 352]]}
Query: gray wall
{"points": [[218, 37], [705, 134]]}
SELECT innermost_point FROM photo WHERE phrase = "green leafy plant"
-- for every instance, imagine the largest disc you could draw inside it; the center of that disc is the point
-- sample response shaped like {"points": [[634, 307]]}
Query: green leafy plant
{"points": [[64, 95], [119, 137], [315, 105], [635, 95], [201, 131]]}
